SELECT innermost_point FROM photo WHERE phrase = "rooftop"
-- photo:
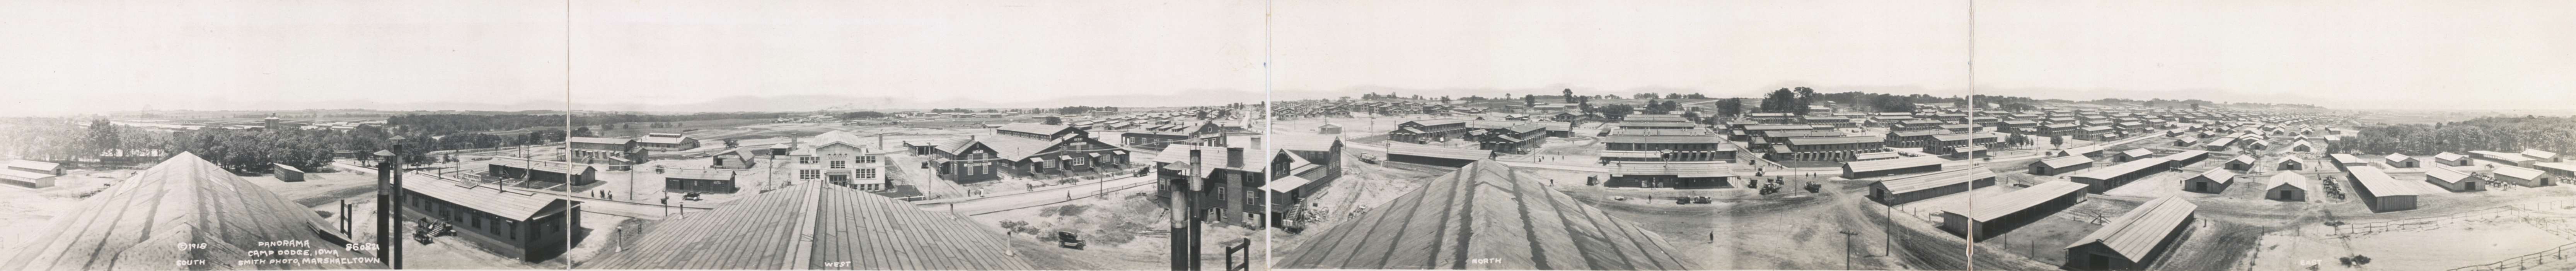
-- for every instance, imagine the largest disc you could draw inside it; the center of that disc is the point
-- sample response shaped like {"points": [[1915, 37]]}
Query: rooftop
{"points": [[2115, 171], [1998, 206], [1394, 148], [184, 200], [817, 227], [1485, 210], [2379, 184], [2137, 232], [1936, 179], [1908, 162]]}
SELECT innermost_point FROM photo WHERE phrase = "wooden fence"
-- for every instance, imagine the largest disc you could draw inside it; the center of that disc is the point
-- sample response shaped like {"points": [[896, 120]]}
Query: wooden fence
{"points": [[2526, 261]]}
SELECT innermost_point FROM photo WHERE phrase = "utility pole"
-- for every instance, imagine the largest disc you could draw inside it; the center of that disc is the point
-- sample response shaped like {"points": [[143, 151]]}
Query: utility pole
{"points": [[1847, 259]]}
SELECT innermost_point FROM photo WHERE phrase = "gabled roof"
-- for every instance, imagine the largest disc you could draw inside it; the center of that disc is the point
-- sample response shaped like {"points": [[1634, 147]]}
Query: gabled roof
{"points": [[2518, 172], [2509, 157], [2141, 152], [1834, 140], [2292, 179], [1679, 169], [817, 227], [539, 165], [137, 223], [2539, 154], [47, 167], [1915, 133], [1998, 206], [2219, 176], [487, 199], [842, 138], [2137, 232], [2247, 159], [2448, 156], [2379, 184], [1908, 162], [1435, 122], [2065, 161], [1016, 148], [598, 140], [1213, 158], [2394, 158], [1935, 179], [1394, 148], [2186, 155], [1653, 139], [2289, 160], [2340, 158], [1484, 210], [2445, 175], [672, 139], [1033, 128], [2115, 171]]}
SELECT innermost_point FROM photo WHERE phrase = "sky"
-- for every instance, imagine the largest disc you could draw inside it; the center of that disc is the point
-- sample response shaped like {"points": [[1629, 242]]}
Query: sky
{"points": [[1727, 48], [2339, 54], [90, 56], [678, 52], [729, 55], [513, 54]]}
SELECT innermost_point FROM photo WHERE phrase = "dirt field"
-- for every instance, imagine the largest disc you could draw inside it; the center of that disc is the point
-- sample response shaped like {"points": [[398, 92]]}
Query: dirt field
{"points": [[1121, 232]]}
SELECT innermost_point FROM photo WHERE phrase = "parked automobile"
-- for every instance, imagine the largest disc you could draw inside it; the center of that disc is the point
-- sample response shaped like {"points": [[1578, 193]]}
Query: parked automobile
{"points": [[1068, 240]]}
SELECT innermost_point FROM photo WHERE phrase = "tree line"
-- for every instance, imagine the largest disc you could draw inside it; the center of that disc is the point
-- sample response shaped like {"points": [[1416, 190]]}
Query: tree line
{"points": [[2504, 134]]}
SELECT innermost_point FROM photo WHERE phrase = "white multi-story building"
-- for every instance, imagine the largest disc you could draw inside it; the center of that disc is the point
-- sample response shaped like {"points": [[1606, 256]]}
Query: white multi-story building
{"points": [[843, 159]]}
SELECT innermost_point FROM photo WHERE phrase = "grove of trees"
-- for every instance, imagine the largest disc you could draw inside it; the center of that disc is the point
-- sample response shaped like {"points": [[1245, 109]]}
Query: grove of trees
{"points": [[2505, 134]]}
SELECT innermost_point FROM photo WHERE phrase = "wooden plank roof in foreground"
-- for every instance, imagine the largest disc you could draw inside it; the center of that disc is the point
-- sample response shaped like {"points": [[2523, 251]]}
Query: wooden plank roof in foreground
{"points": [[1484, 216], [2137, 232], [140, 223], [817, 227]]}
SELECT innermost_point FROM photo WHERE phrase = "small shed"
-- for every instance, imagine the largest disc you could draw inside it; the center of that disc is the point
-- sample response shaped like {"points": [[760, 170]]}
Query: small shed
{"points": [[286, 173], [1328, 129], [2213, 181], [2287, 186], [2302, 146]]}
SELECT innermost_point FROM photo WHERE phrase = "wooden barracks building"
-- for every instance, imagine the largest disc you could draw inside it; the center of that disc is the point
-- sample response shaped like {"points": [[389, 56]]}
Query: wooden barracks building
{"points": [[1020, 149]]}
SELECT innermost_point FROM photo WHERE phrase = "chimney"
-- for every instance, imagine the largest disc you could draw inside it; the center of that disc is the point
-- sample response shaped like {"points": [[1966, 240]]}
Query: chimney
{"points": [[1234, 157]]}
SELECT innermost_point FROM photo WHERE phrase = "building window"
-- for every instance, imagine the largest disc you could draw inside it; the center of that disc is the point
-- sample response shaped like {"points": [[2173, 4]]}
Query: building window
{"points": [[809, 174], [863, 159], [808, 159], [840, 164], [866, 173]]}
